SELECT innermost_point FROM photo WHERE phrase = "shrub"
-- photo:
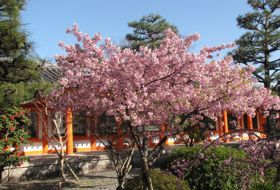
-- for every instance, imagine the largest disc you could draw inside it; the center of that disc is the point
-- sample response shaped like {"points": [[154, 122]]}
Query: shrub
{"points": [[263, 186], [267, 181], [12, 134], [185, 153], [218, 168], [161, 181]]}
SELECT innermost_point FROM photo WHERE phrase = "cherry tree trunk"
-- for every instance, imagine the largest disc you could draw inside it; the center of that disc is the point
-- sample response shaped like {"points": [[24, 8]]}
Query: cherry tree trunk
{"points": [[61, 159], [147, 180], [120, 183], [62, 173]]}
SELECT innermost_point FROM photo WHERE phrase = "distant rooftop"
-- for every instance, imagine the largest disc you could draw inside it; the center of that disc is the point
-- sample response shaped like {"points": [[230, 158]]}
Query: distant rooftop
{"points": [[51, 72]]}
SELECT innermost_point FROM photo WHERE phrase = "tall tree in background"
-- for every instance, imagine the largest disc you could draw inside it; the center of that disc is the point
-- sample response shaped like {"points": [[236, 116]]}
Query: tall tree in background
{"points": [[149, 31], [19, 73], [261, 44]]}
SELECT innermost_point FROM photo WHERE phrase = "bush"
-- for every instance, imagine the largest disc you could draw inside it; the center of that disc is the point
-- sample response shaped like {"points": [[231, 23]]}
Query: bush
{"points": [[12, 135], [218, 168], [267, 181], [185, 153], [263, 186], [161, 181]]}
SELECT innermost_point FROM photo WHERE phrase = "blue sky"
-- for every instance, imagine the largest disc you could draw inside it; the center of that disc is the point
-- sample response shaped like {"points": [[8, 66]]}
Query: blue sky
{"points": [[47, 20]]}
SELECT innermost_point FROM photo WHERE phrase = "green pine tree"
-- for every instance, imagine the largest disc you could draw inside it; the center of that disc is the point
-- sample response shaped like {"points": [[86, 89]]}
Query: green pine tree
{"points": [[149, 31], [19, 72], [260, 45]]}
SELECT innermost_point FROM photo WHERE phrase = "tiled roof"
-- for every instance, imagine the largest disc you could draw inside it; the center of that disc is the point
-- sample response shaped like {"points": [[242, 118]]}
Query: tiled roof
{"points": [[51, 72]]}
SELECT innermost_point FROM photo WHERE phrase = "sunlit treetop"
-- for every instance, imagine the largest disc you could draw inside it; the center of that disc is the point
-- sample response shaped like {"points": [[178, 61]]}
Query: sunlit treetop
{"points": [[151, 86]]}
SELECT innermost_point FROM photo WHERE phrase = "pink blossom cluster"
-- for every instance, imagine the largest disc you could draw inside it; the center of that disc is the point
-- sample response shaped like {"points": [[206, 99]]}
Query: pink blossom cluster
{"points": [[261, 153], [150, 86], [179, 167]]}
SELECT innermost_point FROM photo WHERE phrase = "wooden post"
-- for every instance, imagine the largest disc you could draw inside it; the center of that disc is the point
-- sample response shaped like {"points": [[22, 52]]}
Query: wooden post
{"points": [[69, 131], [225, 118], [220, 126], [45, 134], [250, 124], [120, 137]]}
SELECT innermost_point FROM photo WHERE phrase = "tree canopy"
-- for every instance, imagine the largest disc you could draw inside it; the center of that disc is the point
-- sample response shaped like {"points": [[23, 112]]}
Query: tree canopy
{"points": [[19, 72], [152, 86], [260, 45], [148, 31], [157, 81]]}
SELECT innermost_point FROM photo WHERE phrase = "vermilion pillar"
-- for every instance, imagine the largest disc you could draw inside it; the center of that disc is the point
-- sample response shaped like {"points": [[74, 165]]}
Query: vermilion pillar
{"points": [[45, 134], [69, 131], [250, 122], [225, 118]]}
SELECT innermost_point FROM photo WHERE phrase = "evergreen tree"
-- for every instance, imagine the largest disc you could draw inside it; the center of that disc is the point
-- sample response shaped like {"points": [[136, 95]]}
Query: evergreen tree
{"points": [[19, 73], [261, 44], [149, 31]]}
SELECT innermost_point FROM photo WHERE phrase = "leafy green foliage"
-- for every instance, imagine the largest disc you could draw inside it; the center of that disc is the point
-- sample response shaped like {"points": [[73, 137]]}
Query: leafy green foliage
{"points": [[161, 181], [149, 31], [267, 182], [189, 153], [19, 72], [263, 186], [13, 133], [261, 43], [217, 168]]}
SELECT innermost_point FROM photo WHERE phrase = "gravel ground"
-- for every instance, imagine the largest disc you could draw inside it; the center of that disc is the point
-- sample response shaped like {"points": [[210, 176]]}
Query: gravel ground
{"points": [[96, 181]]}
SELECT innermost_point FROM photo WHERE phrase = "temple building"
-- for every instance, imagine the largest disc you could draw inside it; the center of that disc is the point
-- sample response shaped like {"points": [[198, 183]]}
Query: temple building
{"points": [[84, 133]]}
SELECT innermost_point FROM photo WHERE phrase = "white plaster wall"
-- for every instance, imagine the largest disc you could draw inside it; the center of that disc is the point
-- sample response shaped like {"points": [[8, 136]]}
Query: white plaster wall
{"points": [[53, 144], [257, 134], [245, 136], [214, 137], [35, 146], [82, 144], [100, 144], [171, 140], [155, 140]]}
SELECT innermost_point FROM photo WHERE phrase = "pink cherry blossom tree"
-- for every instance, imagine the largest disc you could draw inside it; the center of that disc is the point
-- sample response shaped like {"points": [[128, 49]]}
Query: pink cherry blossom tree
{"points": [[152, 87]]}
